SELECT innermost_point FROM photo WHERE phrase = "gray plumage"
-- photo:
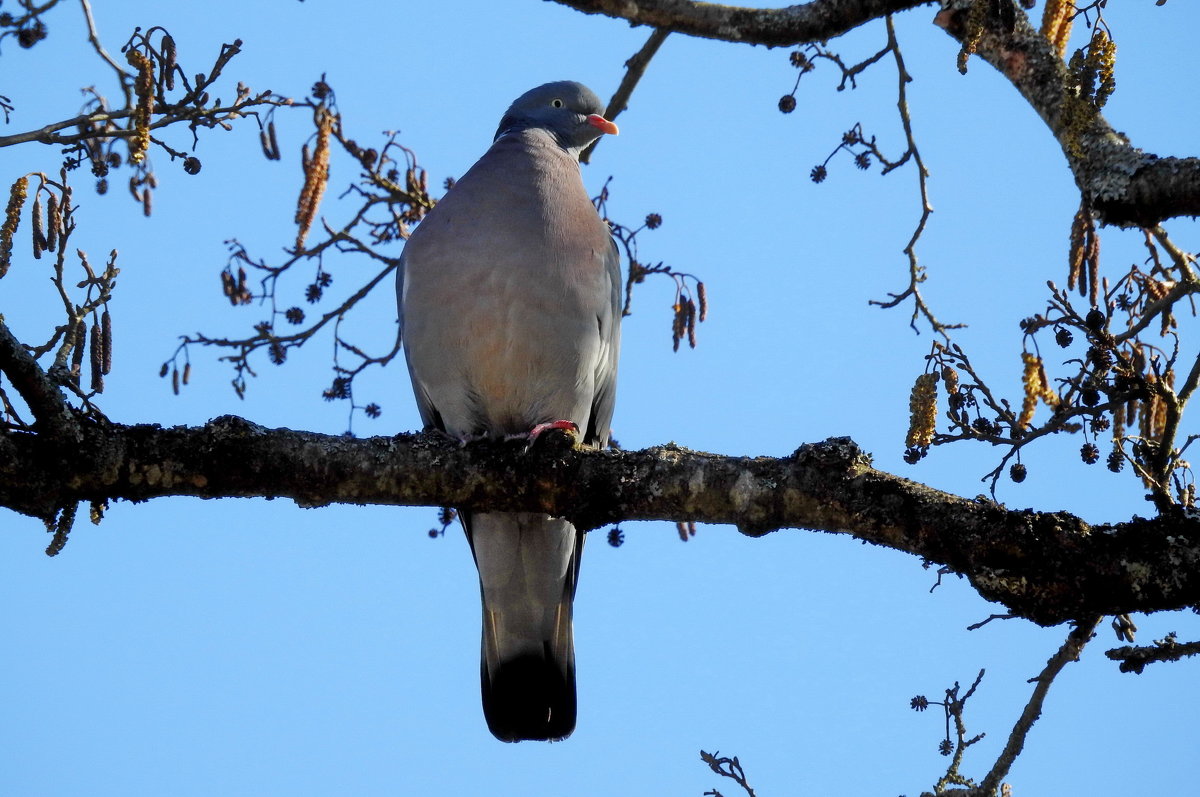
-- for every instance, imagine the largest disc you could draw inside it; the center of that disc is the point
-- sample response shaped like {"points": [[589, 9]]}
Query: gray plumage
{"points": [[509, 294]]}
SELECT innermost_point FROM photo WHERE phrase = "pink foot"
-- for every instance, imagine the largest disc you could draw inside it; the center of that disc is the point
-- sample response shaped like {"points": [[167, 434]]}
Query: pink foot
{"points": [[569, 426], [532, 435]]}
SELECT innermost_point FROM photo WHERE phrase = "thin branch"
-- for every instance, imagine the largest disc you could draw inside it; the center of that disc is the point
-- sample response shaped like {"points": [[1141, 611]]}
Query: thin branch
{"points": [[1135, 659], [94, 38], [726, 767], [1069, 652], [915, 271], [635, 67], [46, 401]]}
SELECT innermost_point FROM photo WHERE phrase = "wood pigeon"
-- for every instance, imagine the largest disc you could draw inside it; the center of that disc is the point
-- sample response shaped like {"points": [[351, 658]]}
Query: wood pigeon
{"points": [[509, 294]]}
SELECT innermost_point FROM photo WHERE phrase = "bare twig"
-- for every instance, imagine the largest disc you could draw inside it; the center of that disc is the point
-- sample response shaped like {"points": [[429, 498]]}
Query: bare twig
{"points": [[1067, 653], [1135, 659], [726, 767], [916, 272], [94, 38], [635, 67]]}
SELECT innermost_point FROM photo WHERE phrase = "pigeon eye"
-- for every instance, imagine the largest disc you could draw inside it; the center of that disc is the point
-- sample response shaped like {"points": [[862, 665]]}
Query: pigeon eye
{"points": [[556, 103]]}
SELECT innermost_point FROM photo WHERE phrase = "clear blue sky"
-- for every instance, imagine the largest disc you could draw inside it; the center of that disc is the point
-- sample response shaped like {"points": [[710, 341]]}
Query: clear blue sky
{"points": [[253, 648]]}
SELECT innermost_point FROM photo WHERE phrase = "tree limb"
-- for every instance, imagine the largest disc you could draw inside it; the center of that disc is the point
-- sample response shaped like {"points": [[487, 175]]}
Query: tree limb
{"points": [[1047, 567], [1135, 659], [46, 401], [814, 21], [1125, 185], [1067, 653]]}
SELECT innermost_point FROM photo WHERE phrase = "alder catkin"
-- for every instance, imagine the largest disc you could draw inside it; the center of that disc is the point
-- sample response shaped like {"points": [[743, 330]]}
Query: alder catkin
{"points": [[168, 63], [80, 345], [690, 310], [39, 235], [12, 218], [275, 154], [54, 224], [316, 177], [143, 86], [922, 407], [97, 359], [106, 342]]}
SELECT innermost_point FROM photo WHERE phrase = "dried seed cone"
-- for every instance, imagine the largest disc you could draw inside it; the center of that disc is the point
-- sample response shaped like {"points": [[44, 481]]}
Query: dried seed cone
{"points": [[950, 377]]}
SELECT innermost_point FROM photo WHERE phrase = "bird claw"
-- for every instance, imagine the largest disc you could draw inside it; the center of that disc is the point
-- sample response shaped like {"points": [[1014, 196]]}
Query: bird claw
{"points": [[531, 437], [569, 426]]}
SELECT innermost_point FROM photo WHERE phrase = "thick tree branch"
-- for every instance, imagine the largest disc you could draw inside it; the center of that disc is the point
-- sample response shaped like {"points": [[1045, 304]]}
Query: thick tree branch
{"points": [[1125, 185], [814, 21], [45, 399], [1048, 567]]}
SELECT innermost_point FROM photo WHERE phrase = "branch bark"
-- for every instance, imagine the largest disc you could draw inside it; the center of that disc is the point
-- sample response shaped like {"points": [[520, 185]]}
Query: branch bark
{"points": [[814, 21], [1125, 185], [1047, 567]]}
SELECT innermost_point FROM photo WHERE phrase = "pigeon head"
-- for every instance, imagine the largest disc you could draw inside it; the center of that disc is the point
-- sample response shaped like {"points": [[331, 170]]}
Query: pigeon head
{"points": [[567, 110]]}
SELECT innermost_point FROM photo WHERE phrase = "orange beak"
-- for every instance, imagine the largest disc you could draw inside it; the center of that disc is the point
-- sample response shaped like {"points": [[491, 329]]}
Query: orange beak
{"points": [[599, 122]]}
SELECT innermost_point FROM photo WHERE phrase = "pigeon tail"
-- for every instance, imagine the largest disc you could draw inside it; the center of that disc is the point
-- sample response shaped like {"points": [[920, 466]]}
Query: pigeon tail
{"points": [[530, 697], [528, 564]]}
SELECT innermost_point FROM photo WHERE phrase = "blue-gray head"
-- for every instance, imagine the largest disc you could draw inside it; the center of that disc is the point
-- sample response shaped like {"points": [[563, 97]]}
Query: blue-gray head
{"points": [[569, 111]]}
